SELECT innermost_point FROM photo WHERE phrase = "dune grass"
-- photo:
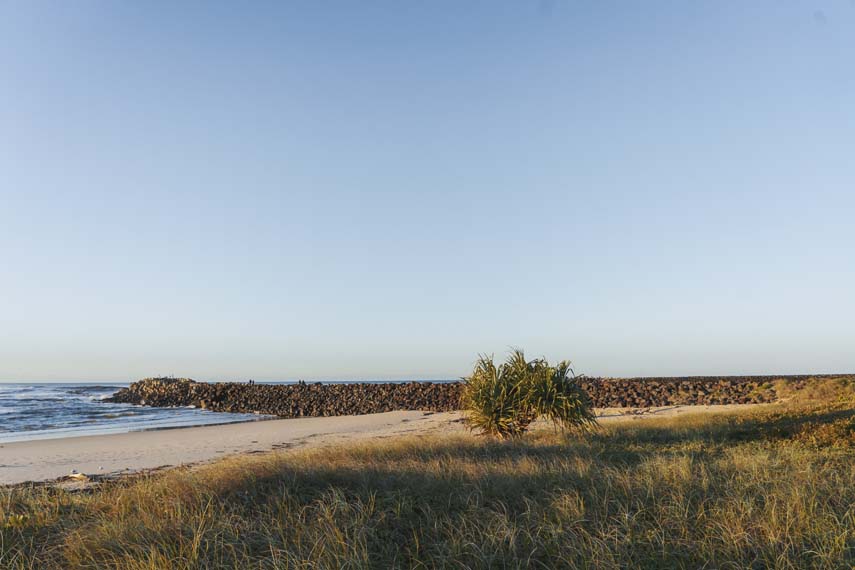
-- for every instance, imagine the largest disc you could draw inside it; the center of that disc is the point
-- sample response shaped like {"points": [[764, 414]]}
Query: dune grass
{"points": [[771, 489]]}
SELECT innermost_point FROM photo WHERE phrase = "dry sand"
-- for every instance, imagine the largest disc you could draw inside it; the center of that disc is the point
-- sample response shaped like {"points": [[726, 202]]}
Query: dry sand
{"points": [[103, 455]]}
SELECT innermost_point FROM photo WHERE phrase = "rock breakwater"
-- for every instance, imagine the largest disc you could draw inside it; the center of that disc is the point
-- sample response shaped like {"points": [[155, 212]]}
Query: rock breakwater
{"points": [[319, 400], [293, 400], [690, 391]]}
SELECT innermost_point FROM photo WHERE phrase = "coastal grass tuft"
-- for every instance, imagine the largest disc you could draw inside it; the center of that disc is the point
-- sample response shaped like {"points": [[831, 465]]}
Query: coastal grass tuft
{"points": [[769, 488]]}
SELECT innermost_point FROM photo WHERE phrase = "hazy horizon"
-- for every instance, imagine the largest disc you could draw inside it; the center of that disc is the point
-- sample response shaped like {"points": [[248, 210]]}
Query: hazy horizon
{"points": [[387, 189], [226, 379], [376, 379]]}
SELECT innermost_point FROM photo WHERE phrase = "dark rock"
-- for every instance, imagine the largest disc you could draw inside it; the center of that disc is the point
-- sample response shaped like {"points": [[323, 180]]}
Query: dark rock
{"points": [[320, 400]]}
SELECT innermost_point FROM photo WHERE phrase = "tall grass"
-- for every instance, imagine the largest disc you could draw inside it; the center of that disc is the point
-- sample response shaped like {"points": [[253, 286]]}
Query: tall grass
{"points": [[722, 491]]}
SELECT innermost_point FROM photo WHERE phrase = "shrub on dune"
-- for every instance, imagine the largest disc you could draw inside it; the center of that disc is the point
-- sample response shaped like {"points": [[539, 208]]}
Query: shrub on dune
{"points": [[504, 400]]}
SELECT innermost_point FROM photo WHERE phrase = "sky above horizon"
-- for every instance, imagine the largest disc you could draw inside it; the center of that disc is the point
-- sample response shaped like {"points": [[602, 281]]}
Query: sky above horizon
{"points": [[318, 190]]}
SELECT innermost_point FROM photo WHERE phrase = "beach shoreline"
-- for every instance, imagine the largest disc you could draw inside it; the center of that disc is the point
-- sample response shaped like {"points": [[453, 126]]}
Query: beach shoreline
{"points": [[111, 455], [98, 457]]}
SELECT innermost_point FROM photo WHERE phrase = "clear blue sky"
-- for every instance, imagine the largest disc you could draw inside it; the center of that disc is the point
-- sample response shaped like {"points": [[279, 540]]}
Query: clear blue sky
{"points": [[385, 189]]}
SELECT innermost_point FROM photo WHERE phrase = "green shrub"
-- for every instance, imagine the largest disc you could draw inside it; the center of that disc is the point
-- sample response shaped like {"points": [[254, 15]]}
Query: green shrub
{"points": [[504, 400]]}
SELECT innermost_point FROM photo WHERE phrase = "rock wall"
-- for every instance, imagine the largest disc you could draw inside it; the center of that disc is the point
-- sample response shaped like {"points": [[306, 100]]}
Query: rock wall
{"points": [[293, 400], [650, 392], [304, 400]]}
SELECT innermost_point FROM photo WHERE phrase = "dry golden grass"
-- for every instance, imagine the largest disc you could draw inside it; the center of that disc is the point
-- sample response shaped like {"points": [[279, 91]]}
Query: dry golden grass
{"points": [[769, 489]]}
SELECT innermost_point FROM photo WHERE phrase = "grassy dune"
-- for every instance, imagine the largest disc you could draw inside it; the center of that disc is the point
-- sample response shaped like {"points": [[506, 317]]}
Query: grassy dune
{"points": [[769, 489]]}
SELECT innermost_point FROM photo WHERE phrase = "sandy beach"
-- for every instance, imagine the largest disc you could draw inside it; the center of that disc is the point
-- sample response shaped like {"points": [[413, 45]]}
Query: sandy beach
{"points": [[114, 454], [41, 460]]}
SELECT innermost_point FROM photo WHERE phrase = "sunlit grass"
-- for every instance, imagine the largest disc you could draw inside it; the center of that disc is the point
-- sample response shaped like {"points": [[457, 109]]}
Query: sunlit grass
{"points": [[758, 490]]}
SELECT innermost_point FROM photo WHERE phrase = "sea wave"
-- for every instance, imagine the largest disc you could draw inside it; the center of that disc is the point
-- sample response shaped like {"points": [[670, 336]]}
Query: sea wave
{"points": [[40, 411]]}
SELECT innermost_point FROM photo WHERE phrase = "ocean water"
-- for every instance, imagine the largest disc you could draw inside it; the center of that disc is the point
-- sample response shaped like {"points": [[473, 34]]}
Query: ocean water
{"points": [[44, 411]]}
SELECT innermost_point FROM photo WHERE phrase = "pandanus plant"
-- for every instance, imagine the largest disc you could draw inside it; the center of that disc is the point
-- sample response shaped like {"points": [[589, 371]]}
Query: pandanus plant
{"points": [[504, 400]]}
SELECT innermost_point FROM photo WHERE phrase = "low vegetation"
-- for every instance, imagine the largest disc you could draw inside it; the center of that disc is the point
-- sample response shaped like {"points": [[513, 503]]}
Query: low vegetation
{"points": [[769, 488], [504, 400]]}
